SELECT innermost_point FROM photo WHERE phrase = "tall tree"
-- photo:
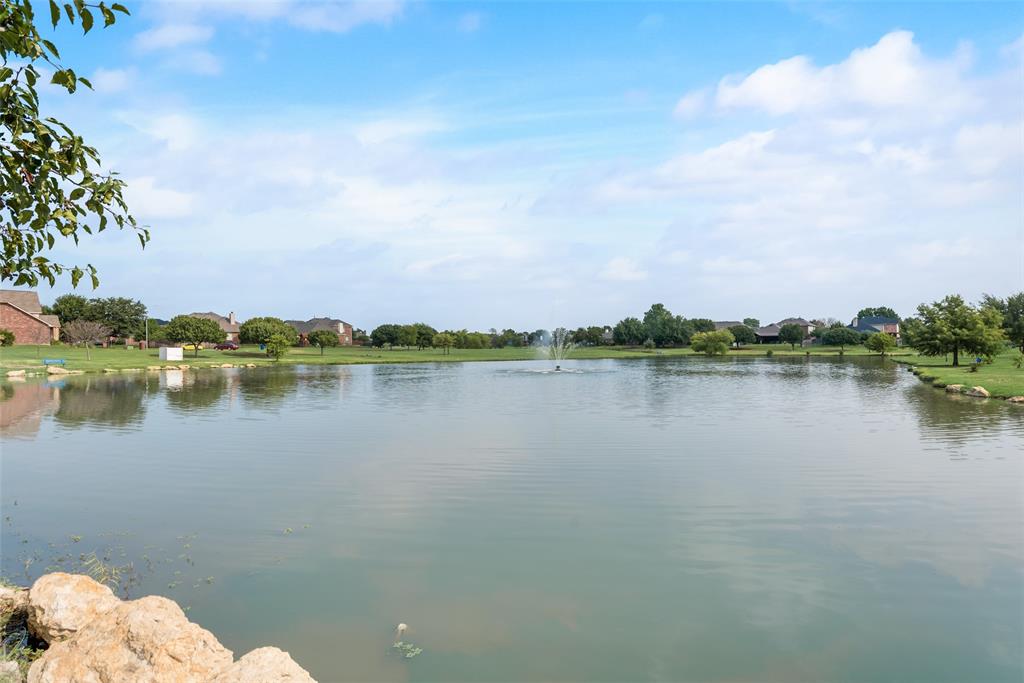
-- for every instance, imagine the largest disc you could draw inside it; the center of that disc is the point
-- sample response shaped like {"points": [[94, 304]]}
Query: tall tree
{"points": [[629, 332], [445, 341], [742, 334], [125, 317], [879, 311], [385, 335], [954, 326], [260, 330], [840, 336], [1012, 310], [792, 334], [71, 307], [50, 184], [186, 329], [753, 323]]}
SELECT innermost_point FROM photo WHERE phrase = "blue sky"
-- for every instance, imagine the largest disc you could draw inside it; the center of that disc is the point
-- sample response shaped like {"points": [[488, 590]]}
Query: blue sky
{"points": [[538, 164]]}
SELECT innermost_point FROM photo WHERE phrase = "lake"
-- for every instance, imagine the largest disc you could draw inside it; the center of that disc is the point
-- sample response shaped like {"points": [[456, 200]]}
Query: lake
{"points": [[662, 519]]}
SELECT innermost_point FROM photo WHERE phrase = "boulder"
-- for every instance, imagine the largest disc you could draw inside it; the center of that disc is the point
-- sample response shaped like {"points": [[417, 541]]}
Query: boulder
{"points": [[954, 388], [1016, 399], [55, 370], [60, 604], [10, 672], [227, 365], [184, 367], [142, 641], [154, 367], [13, 599], [250, 365], [979, 392], [111, 370], [265, 665], [15, 373]]}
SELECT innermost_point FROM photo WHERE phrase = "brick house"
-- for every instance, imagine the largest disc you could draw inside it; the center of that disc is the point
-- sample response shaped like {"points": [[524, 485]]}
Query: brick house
{"points": [[339, 327], [21, 313], [228, 324]]}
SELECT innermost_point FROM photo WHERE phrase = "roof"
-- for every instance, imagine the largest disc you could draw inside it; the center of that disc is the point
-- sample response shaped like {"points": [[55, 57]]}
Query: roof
{"points": [[51, 320], [27, 301], [873, 323], [767, 331], [726, 324], [224, 323], [793, 321], [313, 324]]}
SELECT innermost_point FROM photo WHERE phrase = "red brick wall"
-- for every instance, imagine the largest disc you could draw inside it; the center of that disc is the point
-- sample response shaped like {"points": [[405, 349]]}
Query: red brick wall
{"points": [[26, 329]]}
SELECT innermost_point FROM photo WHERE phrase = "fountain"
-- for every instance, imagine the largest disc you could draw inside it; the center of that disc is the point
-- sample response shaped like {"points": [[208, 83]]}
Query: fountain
{"points": [[558, 347]]}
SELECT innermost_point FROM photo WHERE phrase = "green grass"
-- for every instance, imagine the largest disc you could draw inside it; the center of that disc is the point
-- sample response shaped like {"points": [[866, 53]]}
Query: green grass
{"points": [[1001, 378], [31, 357]]}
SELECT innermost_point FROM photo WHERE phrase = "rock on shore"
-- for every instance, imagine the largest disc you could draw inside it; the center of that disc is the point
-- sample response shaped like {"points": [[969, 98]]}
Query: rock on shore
{"points": [[94, 636]]}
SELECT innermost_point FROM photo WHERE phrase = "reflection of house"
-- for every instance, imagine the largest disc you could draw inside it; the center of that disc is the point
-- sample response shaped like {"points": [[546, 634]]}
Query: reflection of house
{"points": [[877, 323], [769, 334], [726, 324], [339, 327], [22, 407], [228, 324], [21, 313]]}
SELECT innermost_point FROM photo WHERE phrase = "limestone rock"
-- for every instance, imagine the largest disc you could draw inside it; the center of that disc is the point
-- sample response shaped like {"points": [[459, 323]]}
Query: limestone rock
{"points": [[979, 392], [55, 370], [184, 367], [15, 373], [1016, 399], [111, 370], [954, 388], [142, 641], [13, 599], [265, 665], [154, 367], [60, 604], [10, 673], [226, 365]]}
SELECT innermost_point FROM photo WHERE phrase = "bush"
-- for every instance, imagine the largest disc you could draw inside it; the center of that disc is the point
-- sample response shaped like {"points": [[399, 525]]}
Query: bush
{"points": [[712, 343], [648, 343], [770, 353], [278, 345], [6, 337], [880, 342]]}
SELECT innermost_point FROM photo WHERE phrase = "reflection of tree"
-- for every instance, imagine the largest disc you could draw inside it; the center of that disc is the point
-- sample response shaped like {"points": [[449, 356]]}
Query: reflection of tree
{"points": [[198, 390], [267, 388], [959, 419], [117, 401]]}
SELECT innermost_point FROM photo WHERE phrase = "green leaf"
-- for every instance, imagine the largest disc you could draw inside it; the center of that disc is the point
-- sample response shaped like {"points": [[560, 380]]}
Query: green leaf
{"points": [[85, 82], [86, 20], [76, 276], [77, 193], [120, 8], [54, 13], [108, 16], [70, 12]]}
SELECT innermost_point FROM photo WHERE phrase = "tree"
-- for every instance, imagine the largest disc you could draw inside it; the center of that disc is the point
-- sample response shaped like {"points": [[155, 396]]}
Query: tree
{"points": [[424, 335], [666, 329], [629, 332], [278, 345], [443, 340], [260, 330], [1012, 311], [877, 311], [792, 334], [6, 337], [880, 342], [185, 329], [85, 332], [385, 335], [70, 307], [712, 343], [125, 317], [841, 336], [322, 339], [50, 186], [952, 326], [752, 323], [742, 334], [702, 324]]}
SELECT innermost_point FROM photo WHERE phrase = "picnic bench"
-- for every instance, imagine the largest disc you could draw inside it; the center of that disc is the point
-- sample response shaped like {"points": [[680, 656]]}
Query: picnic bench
{"points": [[53, 361]]}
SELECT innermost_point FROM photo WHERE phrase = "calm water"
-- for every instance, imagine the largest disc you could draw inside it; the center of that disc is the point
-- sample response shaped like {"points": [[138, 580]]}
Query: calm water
{"points": [[662, 519]]}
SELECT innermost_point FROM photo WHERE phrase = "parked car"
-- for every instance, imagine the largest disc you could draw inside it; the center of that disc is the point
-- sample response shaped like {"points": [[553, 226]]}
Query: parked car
{"points": [[227, 346], [192, 347]]}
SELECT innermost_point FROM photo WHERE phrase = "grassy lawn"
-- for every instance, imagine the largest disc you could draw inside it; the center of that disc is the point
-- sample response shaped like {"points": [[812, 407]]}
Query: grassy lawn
{"points": [[1001, 378], [31, 357]]}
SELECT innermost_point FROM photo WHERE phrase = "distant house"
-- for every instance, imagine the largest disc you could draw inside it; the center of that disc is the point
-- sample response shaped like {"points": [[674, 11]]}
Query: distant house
{"points": [[339, 327], [726, 324], [21, 313], [877, 323], [769, 334], [228, 324]]}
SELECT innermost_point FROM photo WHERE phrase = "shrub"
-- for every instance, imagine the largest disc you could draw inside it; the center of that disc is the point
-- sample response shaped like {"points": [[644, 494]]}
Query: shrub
{"points": [[712, 343], [6, 337], [880, 342], [770, 353], [648, 343], [277, 346]]}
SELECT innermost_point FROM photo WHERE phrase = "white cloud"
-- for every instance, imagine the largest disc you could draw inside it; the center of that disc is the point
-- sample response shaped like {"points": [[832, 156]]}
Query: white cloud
{"points": [[150, 202], [385, 129], [170, 36], [200, 62], [470, 22], [622, 269], [112, 80], [691, 104]]}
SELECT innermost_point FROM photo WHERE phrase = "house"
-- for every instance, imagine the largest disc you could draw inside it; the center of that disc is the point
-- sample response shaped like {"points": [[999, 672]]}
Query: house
{"points": [[21, 313], [726, 324], [769, 334], [877, 323], [228, 324], [339, 327]]}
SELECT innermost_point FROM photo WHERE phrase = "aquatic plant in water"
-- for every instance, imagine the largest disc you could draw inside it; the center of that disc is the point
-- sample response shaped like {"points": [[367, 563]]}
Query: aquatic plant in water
{"points": [[407, 650]]}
